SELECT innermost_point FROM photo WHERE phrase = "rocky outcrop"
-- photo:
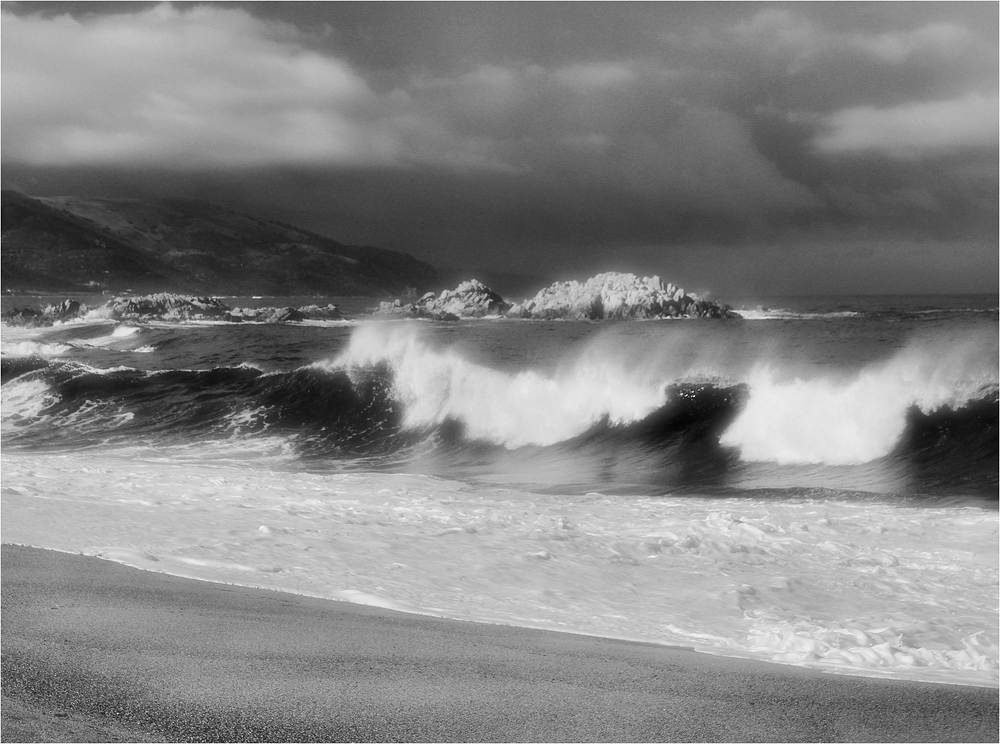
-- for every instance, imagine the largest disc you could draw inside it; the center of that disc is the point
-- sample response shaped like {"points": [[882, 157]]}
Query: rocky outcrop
{"points": [[327, 312], [168, 307], [266, 315], [610, 296], [471, 299], [614, 296], [162, 306], [48, 315], [284, 314]]}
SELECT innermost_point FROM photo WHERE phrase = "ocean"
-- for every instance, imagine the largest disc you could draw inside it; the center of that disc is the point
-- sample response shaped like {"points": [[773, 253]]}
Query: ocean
{"points": [[815, 484]]}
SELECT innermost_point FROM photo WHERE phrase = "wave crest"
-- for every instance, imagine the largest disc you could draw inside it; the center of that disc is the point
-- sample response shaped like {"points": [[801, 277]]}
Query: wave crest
{"points": [[854, 420], [512, 410]]}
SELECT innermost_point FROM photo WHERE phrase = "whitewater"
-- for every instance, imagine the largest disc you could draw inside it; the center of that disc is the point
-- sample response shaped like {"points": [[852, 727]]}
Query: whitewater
{"points": [[815, 484]]}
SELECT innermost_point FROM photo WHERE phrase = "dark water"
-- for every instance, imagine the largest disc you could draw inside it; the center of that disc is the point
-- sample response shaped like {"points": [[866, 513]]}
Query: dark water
{"points": [[860, 397]]}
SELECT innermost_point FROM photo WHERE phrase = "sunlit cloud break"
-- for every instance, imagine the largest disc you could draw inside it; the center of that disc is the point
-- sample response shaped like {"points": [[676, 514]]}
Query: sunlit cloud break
{"points": [[195, 86], [912, 129]]}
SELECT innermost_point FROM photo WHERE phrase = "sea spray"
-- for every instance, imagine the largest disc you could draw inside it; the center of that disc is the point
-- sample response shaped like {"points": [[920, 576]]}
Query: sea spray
{"points": [[628, 407], [856, 418], [508, 409]]}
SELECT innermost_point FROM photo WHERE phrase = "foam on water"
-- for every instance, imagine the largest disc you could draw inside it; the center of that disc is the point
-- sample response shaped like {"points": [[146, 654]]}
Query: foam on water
{"points": [[762, 313], [840, 420], [260, 473], [32, 342], [793, 415], [858, 588], [624, 408], [24, 402], [116, 336], [23, 342], [33, 348], [509, 409]]}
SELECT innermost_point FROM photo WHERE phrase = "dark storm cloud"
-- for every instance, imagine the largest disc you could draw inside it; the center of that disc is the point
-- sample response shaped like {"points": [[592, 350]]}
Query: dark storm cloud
{"points": [[548, 133]]}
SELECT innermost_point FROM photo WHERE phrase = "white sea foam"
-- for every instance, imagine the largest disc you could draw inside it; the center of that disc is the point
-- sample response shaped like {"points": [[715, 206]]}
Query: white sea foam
{"points": [[114, 338], [19, 341], [33, 348], [761, 313], [793, 416], [856, 588], [839, 421], [509, 409], [24, 401]]}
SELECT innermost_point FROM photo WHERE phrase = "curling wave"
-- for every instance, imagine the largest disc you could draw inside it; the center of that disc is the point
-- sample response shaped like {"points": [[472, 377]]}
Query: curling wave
{"points": [[391, 395]]}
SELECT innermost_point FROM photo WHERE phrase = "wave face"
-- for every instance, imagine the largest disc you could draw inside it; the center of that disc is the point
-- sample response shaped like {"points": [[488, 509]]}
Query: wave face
{"points": [[513, 410], [921, 421], [857, 419], [81, 406]]}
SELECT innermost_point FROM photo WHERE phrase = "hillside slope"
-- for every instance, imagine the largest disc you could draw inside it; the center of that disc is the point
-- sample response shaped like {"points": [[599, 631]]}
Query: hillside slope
{"points": [[185, 245]]}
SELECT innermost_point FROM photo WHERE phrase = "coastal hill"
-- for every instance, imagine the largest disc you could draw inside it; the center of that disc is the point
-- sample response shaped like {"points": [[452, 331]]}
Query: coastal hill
{"points": [[56, 244]]}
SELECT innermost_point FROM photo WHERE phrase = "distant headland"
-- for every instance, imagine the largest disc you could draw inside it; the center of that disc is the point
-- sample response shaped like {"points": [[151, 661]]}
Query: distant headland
{"points": [[186, 246]]}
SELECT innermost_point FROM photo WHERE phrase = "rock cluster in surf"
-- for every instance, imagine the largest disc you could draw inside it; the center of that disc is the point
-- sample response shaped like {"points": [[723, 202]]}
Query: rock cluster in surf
{"points": [[471, 299], [162, 306], [609, 296], [168, 307], [614, 296], [32, 318]]}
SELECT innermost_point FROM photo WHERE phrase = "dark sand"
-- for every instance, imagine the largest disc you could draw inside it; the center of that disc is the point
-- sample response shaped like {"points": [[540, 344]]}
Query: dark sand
{"points": [[94, 651]]}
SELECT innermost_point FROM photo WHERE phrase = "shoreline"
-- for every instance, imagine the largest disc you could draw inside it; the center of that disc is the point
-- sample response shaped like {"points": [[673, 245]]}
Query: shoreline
{"points": [[402, 608], [94, 649]]}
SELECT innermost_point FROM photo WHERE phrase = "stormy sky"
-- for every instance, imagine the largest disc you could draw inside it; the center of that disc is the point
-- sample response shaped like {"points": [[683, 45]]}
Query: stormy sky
{"points": [[738, 148]]}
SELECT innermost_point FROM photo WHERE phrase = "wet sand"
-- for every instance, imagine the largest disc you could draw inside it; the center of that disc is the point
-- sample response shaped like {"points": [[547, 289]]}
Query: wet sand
{"points": [[94, 651]]}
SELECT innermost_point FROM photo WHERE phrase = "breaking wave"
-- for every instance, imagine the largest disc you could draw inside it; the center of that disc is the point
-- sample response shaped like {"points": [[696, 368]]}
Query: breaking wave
{"points": [[389, 395]]}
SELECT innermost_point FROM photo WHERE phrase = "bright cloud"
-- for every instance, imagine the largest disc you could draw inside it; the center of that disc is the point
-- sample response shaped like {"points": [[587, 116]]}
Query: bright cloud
{"points": [[803, 42], [196, 86], [914, 128], [209, 86]]}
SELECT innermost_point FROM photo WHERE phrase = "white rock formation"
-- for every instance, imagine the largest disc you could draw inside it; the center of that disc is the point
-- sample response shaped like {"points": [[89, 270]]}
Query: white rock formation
{"points": [[614, 296], [471, 299]]}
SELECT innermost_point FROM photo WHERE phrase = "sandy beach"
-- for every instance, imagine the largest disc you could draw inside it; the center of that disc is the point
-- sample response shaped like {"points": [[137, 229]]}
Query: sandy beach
{"points": [[96, 651]]}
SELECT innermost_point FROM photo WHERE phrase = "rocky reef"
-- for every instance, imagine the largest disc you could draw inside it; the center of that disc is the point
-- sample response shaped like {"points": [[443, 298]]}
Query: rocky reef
{"points": [[168, 307], [614, 296], [609, 296], [471, 299], [31, 318], [161, 306]]}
